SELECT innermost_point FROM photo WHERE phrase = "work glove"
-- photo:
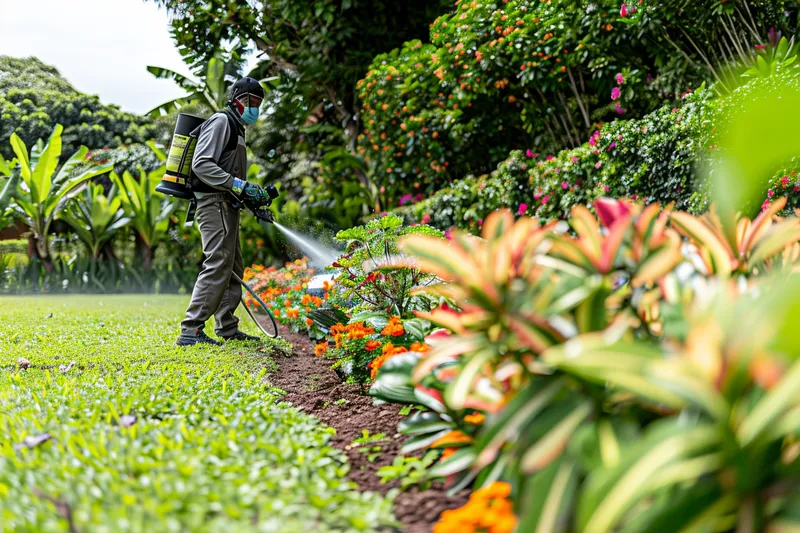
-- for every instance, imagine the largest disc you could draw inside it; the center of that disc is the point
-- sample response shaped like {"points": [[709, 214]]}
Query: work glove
{"points": [[255, 198]]}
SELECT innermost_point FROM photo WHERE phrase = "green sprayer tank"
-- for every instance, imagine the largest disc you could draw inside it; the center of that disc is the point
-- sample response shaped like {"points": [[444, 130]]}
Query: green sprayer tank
{"points": [[179, 158]]}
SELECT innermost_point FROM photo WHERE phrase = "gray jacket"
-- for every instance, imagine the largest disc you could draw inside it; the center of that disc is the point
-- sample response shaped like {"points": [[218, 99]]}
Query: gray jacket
{"points": [[209, 163]]}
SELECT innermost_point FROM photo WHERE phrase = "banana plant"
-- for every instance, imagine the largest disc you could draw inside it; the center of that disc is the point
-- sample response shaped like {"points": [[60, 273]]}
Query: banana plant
{"points": [[96, 217], [45, 187], [149, 212]]}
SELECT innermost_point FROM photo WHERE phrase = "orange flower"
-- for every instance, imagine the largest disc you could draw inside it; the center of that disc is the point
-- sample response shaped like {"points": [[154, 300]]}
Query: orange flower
{"points": [[287, 303], [376, 364], [419, 347], [394, 328], [336, 329], [390, 349], [306, 299], [475, 418], [320, 349], [309, 322], [488, 510], [372, 345], [276, 312]]}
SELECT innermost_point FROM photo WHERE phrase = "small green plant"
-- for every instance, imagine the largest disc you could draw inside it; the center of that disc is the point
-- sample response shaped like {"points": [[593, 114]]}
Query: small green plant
{"points": [[375, 272], [411, 471]]}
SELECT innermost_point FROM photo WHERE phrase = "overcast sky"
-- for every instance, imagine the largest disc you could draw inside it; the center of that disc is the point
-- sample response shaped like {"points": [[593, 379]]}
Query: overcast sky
{"points": [[101, 46]]}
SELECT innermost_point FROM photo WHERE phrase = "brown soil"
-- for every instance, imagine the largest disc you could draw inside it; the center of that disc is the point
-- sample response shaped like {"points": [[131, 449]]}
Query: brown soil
{"points": [[312, 386]]}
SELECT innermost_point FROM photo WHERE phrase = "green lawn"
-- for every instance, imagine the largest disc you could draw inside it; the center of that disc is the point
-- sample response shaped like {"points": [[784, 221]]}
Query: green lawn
{"points": [[211, 448]]}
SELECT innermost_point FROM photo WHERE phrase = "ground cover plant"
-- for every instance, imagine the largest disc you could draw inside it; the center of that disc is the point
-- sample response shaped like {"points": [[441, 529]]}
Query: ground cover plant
{"points": [[109, 427]]}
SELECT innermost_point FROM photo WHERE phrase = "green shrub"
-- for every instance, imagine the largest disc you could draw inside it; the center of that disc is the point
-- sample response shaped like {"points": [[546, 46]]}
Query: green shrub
{"points": [[526, 74], [650, 159], [14, 246]]}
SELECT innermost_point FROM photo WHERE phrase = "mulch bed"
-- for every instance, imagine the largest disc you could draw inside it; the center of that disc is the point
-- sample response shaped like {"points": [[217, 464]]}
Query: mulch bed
{"points": [[312, 386]]}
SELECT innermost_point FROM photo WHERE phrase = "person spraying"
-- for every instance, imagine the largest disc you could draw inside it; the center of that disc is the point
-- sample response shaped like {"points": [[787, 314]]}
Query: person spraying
{"points": [[219, 191]]}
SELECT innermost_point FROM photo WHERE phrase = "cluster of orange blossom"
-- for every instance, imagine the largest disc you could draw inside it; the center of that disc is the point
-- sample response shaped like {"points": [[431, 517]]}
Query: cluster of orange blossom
{"points": [[488, 511], [394, 328], [390, 350]]}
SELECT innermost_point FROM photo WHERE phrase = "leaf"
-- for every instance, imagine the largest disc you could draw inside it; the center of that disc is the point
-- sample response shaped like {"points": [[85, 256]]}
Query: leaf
{"points": [[420, 423], [553, 443], [517, 415], [459, 461], [610, 493], [549, 497], [42, 176], [766, 412], [706, 238]]}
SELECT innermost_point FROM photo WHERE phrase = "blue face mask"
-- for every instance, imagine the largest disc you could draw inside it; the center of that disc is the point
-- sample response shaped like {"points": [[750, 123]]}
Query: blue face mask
{"points": [[250, 115]]}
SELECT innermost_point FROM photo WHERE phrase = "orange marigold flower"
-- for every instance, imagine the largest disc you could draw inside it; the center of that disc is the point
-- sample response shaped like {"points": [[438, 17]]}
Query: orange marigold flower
{"points": [[320, 349], [376, 364], [390, 349], [287, 303], [309, 322], [419, 347], [394, 328], [372, 345], [475, 418]]}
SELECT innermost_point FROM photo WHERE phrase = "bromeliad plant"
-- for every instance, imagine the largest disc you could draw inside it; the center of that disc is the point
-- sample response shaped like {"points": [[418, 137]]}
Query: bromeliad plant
{"points": [[580, 432], [372, 268]]}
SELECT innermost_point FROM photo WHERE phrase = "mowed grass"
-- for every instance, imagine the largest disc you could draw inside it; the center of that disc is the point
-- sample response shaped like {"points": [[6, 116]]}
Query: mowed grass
{"points": [[113, 428]]}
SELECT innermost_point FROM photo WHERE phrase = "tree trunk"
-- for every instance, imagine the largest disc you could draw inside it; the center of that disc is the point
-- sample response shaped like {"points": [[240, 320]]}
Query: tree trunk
{"points": [[145, 253], [37, 248]]}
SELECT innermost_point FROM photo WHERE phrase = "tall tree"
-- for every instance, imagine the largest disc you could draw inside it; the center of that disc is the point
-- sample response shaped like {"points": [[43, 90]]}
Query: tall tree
{"points": [[321, 48]]}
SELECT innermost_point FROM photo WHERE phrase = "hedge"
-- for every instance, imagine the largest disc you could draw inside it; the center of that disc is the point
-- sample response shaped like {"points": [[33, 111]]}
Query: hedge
{"points": [[651, 159]]}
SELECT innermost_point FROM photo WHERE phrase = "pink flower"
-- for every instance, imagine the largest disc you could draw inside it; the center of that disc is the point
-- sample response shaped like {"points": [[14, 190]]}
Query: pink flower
{"points": [[545, 199], [797, 188], [609, 210], [447, 235], [765, 205], [549, 158], [770, 193], [574, 159], [620, 79], [522, 209], [480, 222], [594, 138], [564, 185], [615, 93], [612, 145], [598, 164], [406, 198], [537, 195], [785, 181], [619, 109], [606, 188], [623, 11], [761, 46], [530, 153], [426, 218]]}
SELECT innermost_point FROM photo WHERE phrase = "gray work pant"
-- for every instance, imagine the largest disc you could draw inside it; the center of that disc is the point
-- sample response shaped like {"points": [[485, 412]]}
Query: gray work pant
{"points": [[216, 292]]}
